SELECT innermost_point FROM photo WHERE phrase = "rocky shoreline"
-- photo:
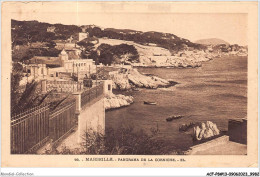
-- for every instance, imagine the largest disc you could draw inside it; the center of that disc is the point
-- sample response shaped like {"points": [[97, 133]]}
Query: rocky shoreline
{"points": [[127, 79], [117, 101], [182, 59]]}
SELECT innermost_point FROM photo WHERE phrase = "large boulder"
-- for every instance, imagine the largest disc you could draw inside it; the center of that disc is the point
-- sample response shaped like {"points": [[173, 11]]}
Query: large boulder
{"points": [[205, 130]]}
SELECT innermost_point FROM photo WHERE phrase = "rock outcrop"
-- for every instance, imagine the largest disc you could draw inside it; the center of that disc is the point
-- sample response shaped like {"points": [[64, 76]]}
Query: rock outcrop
{"points": [[117, 101], [181, 59], [205, 130], [125, 79], [120, 80]]}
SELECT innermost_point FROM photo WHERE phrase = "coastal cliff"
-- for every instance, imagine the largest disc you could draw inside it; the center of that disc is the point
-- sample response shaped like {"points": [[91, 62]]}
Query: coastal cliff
{"points": [[127, 78]]}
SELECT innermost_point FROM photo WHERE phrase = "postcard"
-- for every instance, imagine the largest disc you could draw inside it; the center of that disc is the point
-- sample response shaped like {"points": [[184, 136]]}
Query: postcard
{"points": [[129, 84]]}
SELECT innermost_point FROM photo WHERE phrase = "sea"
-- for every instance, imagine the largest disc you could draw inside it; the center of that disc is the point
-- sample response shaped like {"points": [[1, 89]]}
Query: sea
{"points": [[215, 92]]}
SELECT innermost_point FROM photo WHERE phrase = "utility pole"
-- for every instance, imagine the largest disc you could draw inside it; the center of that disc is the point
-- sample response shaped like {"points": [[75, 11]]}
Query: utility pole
{"points": [[73, 76], [77, 77], [27, 74], [34, 73]]}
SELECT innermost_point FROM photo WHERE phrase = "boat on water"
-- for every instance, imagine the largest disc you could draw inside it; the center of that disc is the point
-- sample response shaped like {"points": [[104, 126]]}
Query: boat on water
{"points": [[135, 89], [171, 118], [150, 103]]}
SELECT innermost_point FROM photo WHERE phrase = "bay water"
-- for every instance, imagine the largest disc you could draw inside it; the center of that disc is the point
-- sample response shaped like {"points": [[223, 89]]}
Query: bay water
{"points": [[215, 92]]}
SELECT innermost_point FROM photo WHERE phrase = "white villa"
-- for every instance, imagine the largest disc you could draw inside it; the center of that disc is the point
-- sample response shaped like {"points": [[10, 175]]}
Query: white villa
{"points": [[82, 36], [62, 65]]}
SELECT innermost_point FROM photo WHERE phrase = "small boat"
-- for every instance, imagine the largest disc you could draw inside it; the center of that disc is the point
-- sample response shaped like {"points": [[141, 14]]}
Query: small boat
{"points": [[135, 89], [149, 102], [173, 118]]}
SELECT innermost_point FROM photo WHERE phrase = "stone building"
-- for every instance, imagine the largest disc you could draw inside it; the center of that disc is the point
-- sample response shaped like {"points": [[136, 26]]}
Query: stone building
{"points": [[76, 65], [64, 64], [38, 70]]}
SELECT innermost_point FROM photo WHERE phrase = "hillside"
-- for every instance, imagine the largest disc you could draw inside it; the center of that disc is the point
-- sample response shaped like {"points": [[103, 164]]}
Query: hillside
{"points": [[144, 51], [211, 41], [114, 46], [153, 56], [24, 32]]}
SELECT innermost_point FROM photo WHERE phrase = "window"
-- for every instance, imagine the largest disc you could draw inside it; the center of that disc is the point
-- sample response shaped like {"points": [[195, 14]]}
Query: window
{"points": [[109, 86]]}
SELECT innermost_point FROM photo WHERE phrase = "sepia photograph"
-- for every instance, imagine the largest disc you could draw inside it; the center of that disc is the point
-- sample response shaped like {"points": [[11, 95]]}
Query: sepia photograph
{"points": [[115, 80]]}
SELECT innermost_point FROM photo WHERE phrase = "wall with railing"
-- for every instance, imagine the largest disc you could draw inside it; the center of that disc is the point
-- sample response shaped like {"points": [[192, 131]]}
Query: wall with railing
{"points": [[29, 129], [62, 86], [62, 120], [91, 110], [91, 93], [32, 128]]}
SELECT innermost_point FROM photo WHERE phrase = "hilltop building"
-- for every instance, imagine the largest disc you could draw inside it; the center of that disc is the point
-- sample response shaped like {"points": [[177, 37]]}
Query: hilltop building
{"points": [[64, 64], [51, 29], [82, 36], [69, 62]]}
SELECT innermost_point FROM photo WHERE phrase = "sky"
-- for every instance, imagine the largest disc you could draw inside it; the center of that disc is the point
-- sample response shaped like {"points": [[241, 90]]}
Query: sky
{"points": [[231, 27]]}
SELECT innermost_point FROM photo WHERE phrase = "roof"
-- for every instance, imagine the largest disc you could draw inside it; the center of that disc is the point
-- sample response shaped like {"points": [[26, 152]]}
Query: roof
{"points": [[66, 46], [58, 69], [38, 44], [90, 39], [63, 52], [82, 60], [45, 60]]}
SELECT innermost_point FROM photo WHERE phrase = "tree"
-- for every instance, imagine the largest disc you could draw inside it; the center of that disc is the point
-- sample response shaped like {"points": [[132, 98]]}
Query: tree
{"points": [[21, 53], [28, 38], [122, 141], [97, 32], [16, 77], [94, 55], [14, 38], [51, 44]]}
